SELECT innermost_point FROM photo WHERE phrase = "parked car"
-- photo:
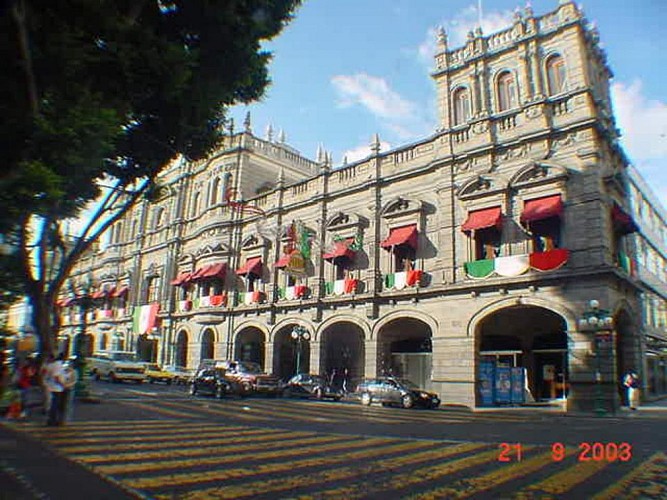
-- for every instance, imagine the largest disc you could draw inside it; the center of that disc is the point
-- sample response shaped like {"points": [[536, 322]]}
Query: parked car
{"points": [[156, 374], [305, 385], [116, 366], [182, 376], [247, 376], [211, 381], [395, 391]]}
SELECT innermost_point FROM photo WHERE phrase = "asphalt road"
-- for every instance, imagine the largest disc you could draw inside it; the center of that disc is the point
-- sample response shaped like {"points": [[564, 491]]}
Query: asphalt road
{"points": [[157, 441]]}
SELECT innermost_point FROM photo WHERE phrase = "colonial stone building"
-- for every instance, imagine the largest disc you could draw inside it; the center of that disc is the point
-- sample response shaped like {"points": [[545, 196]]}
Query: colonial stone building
{"points": [[466, 261]]}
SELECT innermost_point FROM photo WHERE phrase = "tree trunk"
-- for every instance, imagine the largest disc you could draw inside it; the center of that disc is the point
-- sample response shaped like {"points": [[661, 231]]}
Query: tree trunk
{"points": [[46, 328]]}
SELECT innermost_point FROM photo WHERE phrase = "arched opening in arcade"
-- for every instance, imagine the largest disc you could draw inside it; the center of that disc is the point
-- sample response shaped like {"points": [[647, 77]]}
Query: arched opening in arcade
{"points": [[291, 351], [249, 346], [147, 348], [207, 345], [102, 345], [522, 356], [181, 355], [627, 348], [342, 357], [405, 350]]}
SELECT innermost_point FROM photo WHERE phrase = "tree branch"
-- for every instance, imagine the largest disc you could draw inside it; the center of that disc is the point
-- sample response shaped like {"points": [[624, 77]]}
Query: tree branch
{"points": [[19, 15]]}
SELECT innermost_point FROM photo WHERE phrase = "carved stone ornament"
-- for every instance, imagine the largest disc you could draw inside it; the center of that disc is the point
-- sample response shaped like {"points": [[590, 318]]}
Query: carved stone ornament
{"points": [[476, 186], [480, 127], [463, 166], [564, 142], [533, 112]]}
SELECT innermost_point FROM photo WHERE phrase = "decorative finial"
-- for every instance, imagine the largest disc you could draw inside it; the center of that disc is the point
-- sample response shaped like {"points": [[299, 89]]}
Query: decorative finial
{"points": [[281, 175], [246, 123], [471, 36], [528, 9], [269, 133], [517, 15], [231, 126], [442, 38], [345, 160], [281, 136], [478, 32], [375, 145]]}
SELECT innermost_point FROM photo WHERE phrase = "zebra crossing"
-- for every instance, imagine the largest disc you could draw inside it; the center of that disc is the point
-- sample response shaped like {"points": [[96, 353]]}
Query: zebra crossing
{"points": [[174, 457]]}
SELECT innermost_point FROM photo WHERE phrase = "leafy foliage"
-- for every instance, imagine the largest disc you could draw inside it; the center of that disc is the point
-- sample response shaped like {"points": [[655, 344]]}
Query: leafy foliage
{"points": [[113, 90]]}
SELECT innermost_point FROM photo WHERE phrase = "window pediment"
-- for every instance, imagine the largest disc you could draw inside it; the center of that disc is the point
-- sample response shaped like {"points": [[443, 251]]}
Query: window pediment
{"points": [[399, 207], [253, 241], [342, 221], [480, 185], [538, 173]]}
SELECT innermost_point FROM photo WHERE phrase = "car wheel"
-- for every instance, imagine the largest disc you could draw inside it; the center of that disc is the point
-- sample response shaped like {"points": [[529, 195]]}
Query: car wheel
{"points": [[407, 401], [366, 399], [219, 392], [150, 380], [247, 387], [193, 389], [319, 393]]}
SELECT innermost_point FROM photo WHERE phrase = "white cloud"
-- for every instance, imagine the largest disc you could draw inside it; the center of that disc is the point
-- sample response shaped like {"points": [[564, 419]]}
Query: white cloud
{"points": [[373, 93], [363, 151], [643, 122], [457, 29]]}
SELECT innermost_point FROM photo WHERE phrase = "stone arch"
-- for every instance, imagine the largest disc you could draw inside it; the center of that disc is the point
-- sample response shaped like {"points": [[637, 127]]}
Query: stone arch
{"points": [[207, 340], [250, 343], [181, 348], [538, 172], [342, 350], [291, 356], [555, 307], [291, 321], [363, 325], [403, 313]]}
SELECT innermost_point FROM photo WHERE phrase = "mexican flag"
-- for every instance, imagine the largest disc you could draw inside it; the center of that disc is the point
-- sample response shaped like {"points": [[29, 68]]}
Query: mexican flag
{"points": [[144, 318], [516, 265]]}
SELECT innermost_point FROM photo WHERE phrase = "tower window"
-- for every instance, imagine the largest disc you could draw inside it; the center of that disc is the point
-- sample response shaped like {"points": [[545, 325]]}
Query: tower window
{"points": [[461, 106], [506, 86], [556, 75]]}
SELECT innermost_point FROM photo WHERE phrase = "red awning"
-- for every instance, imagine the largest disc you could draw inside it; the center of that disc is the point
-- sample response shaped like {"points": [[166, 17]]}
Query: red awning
{"points": [[282, 261], [252, 266], [67, 302], [542, 208], [181, 279], [119, 292], [623, 222], [341, 250], [482, 219], [406, 235], [217, 270], [99, 294]]}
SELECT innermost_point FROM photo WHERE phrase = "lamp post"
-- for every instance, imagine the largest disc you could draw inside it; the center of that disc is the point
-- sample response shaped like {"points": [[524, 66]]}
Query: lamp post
{"points": [[300, 335], [600, 323], [84, 302]]}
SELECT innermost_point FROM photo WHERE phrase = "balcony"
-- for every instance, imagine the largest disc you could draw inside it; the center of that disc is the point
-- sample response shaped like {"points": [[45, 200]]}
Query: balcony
{"points": [[347, 286], [293, 292], [403, 279]]}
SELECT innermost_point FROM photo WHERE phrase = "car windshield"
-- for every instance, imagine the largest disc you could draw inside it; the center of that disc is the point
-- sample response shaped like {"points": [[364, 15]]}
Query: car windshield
{"points": [[247, 367], [407, 383], [122, 356]]}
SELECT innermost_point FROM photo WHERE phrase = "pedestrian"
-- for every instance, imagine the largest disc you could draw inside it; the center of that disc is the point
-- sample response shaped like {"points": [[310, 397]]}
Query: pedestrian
{"points": [[346, 376], [45, 375], [55, 381], [24, 384], [70, 378], [631, 384]]}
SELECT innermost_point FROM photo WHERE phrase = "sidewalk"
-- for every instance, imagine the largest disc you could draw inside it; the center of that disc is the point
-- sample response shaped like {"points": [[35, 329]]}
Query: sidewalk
{"points": [[29, 470]]}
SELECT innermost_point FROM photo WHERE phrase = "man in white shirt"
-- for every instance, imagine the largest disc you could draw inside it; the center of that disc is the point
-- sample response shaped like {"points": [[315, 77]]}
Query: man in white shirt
{"points": [[53, 381]]}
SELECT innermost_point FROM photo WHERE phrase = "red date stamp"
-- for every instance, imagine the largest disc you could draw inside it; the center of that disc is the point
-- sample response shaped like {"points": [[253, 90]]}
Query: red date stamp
{"points": [[584, 452]]}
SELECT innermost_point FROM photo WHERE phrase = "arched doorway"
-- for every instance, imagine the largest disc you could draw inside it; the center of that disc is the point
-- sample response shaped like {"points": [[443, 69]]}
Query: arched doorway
{"points": [[249, 346], [342, 354], [146, 349], [103, 342], [404, 350], [627, 349], [207, 347], [181, 358], [88, 346], [521, 347], [289, 352]]}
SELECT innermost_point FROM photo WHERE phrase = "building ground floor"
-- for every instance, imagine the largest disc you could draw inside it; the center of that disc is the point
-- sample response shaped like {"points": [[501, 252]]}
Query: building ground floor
{"points": [[491, 348]]}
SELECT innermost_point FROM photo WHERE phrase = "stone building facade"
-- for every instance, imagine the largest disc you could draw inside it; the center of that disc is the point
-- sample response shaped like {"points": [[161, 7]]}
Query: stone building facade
{"points": [[465, 261]]}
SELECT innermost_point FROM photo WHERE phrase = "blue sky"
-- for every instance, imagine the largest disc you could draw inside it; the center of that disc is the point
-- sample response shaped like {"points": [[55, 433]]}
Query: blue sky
{"points": [[344, 70]]}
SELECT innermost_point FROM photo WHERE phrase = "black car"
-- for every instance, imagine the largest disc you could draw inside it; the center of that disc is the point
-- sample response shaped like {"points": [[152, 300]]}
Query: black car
{"points": [[304, 385], [395, 391], [211, 381]]}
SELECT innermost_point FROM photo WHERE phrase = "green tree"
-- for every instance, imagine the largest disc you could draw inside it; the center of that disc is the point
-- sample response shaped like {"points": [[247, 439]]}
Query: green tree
{"points": [[110, 91]]}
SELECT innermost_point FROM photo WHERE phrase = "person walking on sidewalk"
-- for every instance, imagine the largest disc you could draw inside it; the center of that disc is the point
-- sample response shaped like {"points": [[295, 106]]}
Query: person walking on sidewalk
{"points": [[55, 385], [631, 384]]}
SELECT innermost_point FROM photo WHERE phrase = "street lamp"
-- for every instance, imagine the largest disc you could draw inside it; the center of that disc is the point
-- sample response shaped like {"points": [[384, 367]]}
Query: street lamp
{"points": [[601, 323], [300, 335], [84, 302]]}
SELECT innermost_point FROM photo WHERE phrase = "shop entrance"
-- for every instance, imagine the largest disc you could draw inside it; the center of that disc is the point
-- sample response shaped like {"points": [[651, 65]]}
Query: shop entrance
{"points": [[522, 357]]}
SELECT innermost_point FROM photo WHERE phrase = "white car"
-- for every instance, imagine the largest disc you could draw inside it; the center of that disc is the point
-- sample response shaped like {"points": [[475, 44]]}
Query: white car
{"points": [[117, 366]]}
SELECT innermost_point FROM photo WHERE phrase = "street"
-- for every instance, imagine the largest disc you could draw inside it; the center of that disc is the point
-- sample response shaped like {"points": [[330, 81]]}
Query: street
{"points": [[159, 442]]}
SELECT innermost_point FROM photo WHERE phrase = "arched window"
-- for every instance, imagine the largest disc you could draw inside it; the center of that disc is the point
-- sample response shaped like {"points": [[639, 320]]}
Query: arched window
{"points": [[461, 105], [555, 75], [195, 205], [119, 232], [215, 187], [506, 85], [135, 228], [159, 218]]}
